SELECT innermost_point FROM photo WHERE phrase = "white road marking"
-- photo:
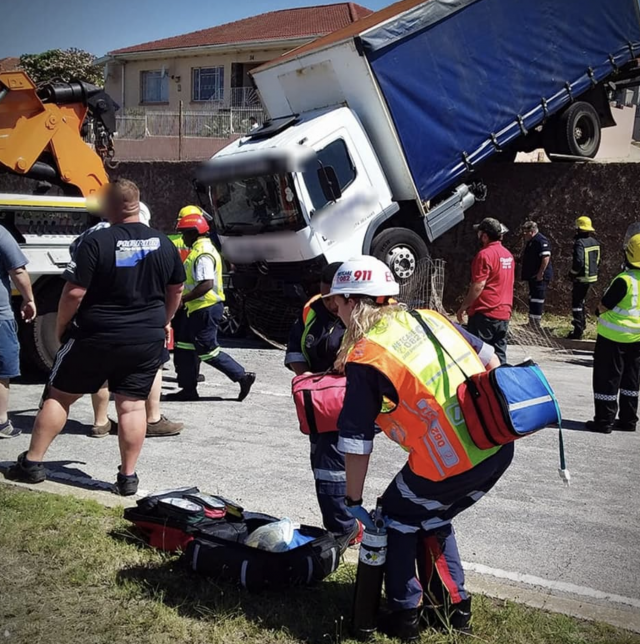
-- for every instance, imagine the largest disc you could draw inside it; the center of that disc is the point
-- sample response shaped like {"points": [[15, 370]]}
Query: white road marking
{"points": [[561, 586]]}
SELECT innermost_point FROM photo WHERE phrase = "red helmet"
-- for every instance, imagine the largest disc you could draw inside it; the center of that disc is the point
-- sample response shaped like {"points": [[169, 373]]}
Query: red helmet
{"points": [[193, 222]]}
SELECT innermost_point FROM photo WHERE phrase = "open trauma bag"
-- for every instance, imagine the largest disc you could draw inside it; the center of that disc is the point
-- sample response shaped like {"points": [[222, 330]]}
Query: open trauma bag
{"points": [[254, 569], [318, 399], [506, 403]]}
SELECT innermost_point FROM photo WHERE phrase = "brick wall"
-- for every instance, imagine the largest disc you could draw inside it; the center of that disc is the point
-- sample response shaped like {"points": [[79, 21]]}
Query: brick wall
{"points": [[553, 194]]}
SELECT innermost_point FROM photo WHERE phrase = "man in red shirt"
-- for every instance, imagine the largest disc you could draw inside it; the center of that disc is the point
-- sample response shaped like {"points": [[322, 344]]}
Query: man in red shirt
{"points": [[489, 300]]}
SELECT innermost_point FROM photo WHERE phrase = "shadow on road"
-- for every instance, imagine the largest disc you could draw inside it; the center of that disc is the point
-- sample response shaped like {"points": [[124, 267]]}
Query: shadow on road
{"points": [[23, 420], [575, 425], [60, 472]]}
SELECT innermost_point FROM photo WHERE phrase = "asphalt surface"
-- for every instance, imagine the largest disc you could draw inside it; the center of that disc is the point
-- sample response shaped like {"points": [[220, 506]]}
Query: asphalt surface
{"points": [[583, 539]]}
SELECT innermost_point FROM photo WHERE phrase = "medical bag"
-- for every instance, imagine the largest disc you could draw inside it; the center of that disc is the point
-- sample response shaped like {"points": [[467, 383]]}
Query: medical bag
{"points": [[318, 399]]}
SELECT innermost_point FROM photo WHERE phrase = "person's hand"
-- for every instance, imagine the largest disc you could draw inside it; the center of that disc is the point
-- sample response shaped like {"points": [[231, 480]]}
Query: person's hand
{"points": [[539, 277], [28, 310], [167, 334], [460, 315], [60, 331]]}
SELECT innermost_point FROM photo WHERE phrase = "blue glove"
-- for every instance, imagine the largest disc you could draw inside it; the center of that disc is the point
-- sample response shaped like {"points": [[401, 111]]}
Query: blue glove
{"points": [[360, 513]]}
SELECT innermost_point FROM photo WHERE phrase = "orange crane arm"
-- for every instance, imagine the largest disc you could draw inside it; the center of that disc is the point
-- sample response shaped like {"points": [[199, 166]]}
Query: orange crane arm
{"points": [[40, 132]]}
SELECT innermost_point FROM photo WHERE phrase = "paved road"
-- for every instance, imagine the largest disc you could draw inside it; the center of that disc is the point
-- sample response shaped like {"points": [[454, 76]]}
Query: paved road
{"points": [[584, 539]]}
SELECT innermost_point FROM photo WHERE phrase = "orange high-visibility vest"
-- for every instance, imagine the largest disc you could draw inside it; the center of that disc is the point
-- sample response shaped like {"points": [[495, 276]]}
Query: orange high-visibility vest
{"points": [[427, 421]]}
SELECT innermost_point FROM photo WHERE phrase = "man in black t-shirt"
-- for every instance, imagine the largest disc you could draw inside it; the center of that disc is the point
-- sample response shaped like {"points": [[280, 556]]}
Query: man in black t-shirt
{"points": [[122, 290]]}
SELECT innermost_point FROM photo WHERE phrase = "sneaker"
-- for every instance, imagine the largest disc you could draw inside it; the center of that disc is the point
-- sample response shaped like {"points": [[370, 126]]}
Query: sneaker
{"points": [[600, 428], [246, 382], [621, 426], [26, 471], [164, 427], [7, 430], [126, 485], [100, 431], [184, 395], [403, 624], [356, 536]]}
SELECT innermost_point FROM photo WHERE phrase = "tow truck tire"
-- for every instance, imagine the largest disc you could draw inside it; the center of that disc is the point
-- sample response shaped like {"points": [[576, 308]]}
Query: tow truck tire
{"points": [[38, 340], [579, 131], [401, 250]]}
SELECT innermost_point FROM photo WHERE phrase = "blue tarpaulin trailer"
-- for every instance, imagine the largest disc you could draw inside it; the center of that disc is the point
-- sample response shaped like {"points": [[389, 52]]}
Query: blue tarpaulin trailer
{"points": [[463, 78]]}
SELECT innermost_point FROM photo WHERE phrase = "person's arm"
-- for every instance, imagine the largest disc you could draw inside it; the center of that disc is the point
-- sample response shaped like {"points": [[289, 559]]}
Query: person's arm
{"points": [[20, 278], [613, 295], [544, 262], [473, 294], [356, 466], [70, 300], [545, 257], [201, 289], [294, 359], [577, 263], [172, 300], [485, 351], [204, 273]]}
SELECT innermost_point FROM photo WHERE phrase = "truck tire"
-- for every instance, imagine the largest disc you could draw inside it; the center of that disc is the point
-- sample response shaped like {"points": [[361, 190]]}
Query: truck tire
{"points": [[232, 324], [400, 249], [578, 131], [38, 340]]}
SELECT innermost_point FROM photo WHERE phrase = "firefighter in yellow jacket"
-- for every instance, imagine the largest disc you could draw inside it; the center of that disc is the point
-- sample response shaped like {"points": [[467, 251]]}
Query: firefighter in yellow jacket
{"points": [[400, 380], [616, 360], [203, 300]]}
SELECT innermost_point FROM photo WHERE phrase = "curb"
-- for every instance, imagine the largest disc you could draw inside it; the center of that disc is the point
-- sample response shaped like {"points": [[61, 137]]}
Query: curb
{"points": [[482, 584]]}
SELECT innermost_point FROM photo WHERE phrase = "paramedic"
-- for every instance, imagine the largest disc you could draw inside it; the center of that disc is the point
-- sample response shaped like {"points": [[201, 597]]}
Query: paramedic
{"points": [[616, 359], [203, 299], [584, 272], [383, 351], [313, 347]]}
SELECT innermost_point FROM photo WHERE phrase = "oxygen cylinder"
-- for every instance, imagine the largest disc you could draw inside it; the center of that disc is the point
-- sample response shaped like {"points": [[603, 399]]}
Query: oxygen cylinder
{"points": [[371, 566]]}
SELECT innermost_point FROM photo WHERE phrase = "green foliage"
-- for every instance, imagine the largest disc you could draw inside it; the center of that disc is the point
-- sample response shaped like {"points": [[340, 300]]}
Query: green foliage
{"points": [[62, 65]]}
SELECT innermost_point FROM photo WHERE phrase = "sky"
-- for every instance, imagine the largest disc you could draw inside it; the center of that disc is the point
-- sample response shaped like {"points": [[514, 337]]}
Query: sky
{"points": [[98, 26]]}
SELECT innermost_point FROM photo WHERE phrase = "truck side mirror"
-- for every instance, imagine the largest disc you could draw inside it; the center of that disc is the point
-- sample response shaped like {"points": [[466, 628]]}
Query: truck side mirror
{"points": [[329, 183]]}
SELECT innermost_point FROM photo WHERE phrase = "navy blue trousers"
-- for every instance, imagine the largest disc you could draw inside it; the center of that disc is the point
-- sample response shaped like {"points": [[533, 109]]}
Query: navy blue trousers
{"points": [[202, 333], [328, 468], [185, 359], [420, 512]]}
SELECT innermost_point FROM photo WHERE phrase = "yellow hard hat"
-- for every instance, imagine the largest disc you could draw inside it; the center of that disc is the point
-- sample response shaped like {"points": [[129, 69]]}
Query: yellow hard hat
{"points": [[584, 225], [632, 251], [189, 210]]}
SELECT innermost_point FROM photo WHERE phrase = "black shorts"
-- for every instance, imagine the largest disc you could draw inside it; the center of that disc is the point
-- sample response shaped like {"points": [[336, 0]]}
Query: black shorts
{"points": [[82, 367]]}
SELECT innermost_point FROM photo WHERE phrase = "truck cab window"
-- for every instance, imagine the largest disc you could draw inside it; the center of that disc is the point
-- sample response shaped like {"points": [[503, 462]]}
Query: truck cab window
{"points": [[337, 156]]}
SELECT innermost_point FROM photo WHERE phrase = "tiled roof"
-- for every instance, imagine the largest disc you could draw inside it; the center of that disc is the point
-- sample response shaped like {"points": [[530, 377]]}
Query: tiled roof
{"points": [[303, 22], [9, 64]]}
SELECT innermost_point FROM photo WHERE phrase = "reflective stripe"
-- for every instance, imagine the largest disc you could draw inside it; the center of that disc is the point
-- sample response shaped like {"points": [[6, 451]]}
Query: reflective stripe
{"points": [[612, 326], [606, 397], [61, 354], [529, 403], [402, 527], [407, 493], [292, 357], [354, 446], [536, 301], [535, 317], [330, 475], [577, 310], [185, 345], [628, 393], [211, 354], [632, 313], [545, 253]]}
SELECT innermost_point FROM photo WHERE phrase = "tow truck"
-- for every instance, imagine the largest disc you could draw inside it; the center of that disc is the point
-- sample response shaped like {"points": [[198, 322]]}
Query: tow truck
{"points": [[42, 137]]}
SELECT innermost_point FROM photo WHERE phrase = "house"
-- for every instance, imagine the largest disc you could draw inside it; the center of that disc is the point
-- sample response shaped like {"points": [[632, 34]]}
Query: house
{"points": [[9, 64], [209, 69]]}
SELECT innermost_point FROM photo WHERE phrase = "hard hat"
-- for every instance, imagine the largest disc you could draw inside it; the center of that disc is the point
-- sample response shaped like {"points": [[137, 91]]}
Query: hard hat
{"points": [[633, 229], [189, 210], [364, 276], [193, 222], [632, 251], [584, 225], [145, 215]]}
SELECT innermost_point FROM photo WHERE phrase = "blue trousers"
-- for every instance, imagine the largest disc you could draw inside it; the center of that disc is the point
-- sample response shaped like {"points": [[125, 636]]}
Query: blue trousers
{"points": [[537, 295], [185, 359], [420, 531], [327, 464], [202, 333]]}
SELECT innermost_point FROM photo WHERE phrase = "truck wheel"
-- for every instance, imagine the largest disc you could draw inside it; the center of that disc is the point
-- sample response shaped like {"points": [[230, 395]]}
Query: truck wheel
{"points": [[232, 324], [578, 131], [38, 339], [400, 249]]}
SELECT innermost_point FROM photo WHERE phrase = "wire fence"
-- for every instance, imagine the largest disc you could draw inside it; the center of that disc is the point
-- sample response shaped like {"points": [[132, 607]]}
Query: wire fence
{"points": [[207, 123]]}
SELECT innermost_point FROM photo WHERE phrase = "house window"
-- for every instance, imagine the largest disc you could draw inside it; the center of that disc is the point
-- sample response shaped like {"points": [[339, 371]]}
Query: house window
{"points": [[155, 87], [208, 83], [337, 156]]}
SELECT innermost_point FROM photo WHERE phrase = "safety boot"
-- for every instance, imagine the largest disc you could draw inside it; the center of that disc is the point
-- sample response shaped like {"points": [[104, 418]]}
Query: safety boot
{"points": [[455, 617], [26, 471], [599, 427], [403, 624], [622, 426]]}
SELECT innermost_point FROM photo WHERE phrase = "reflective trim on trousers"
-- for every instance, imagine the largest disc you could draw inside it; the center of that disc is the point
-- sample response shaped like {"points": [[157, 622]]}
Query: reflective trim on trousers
{"points": [[187, 346], [407, 493], [536, 301], [535, 317], [606, 397], [208, 356], [330, 475], [628, 393]]}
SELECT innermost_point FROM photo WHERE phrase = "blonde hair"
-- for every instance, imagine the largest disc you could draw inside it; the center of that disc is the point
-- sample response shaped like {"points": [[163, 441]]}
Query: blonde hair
{"points": [[365, 316]]}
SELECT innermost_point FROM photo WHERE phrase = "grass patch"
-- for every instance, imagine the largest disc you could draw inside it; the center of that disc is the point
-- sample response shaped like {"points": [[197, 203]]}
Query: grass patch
{"points": [[71, 570], [558, 326]]}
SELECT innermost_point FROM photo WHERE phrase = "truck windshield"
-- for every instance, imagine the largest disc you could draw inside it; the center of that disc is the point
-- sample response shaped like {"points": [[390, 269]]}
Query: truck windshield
{"points": [[256, 205]]}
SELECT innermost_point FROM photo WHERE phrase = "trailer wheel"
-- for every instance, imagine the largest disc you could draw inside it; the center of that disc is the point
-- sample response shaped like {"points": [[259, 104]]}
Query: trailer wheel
{"points": [[38, 339], [579, 131], [232, 324], [400, 249]]}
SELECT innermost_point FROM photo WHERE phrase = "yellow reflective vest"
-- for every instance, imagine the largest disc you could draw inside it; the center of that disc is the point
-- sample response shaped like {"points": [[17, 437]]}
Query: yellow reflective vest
{"points": [[622, 323], [203, 247]]}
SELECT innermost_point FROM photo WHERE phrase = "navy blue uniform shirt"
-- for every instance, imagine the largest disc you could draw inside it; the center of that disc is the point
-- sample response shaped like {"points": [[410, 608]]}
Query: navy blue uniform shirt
{"points": [[537, 248]]}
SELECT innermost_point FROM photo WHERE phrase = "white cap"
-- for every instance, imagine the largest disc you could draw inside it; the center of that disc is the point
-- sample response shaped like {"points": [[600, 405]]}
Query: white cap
{"points": [[364, 275], [145, 215]]}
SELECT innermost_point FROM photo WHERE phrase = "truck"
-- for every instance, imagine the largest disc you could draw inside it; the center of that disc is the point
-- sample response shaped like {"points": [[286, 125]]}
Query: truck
{"points": [[42, 137], [377, 133]]}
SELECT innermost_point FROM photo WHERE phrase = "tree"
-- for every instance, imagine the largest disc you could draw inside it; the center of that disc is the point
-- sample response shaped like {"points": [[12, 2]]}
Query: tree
{"points": [[62, 65]]}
